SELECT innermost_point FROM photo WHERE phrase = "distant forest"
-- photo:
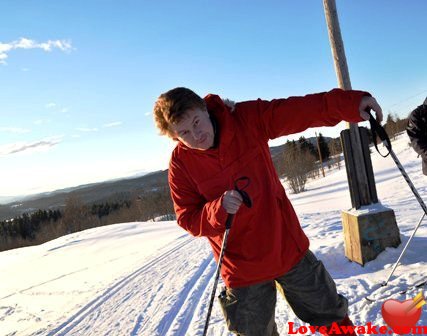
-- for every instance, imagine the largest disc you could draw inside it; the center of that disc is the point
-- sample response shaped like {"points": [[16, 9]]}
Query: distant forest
{"points": [[43, 225]]}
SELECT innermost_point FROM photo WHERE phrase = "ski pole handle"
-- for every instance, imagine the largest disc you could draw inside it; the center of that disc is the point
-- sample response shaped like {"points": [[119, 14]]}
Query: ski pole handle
{"points": [[229, 221], [378, 130]]}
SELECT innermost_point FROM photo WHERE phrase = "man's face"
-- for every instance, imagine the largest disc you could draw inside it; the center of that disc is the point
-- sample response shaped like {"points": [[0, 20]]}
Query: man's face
{"points": [[195, 129]]}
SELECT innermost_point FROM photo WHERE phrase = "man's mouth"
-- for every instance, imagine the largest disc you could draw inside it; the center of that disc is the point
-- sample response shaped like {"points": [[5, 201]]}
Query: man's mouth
{"points": [[203, 139]]}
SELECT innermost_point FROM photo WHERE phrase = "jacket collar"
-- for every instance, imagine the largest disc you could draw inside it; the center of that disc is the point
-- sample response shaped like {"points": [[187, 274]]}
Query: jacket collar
{"points": [[224, 118]]}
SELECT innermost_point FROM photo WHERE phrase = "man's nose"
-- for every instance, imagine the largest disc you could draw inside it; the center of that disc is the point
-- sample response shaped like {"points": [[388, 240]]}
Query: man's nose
{"points": [[196, 134]]}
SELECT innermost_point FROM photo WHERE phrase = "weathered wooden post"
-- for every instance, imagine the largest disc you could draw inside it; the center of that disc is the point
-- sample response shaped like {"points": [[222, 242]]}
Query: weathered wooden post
{"points": [[368, 227], [320, 154]]}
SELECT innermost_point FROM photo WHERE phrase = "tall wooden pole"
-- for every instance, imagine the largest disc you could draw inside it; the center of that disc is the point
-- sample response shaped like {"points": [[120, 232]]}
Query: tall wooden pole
{"points": [[366, 234], [364, 189], [337, 45]]}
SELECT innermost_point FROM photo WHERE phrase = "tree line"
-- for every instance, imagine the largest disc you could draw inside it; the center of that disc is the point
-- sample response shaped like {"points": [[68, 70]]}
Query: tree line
{"points": [[43, 225], [300, 159]]}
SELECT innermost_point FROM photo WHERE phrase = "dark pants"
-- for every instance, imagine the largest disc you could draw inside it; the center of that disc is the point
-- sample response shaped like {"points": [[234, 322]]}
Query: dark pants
{"points": [[308, 288]]}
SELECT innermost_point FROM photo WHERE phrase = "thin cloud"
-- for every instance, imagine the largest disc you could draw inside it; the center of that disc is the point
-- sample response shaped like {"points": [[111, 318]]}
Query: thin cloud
{"points": [[19, 147], [41, 121], [15, 130], [112, 124], [56, 108], [50, 105], [24, 43], [86, 129], [147, 114]]}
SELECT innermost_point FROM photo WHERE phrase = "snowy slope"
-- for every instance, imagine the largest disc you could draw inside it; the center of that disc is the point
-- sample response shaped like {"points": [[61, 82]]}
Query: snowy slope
{"points": [[154, 279]]}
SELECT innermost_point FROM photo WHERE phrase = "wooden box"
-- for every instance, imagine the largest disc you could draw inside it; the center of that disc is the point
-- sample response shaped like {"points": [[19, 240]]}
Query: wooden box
{"points": [[368, 231]]}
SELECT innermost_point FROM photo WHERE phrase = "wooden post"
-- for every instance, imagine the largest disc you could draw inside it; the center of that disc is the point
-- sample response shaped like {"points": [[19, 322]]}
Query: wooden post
{"points": [[358, 164], [320, 154]]}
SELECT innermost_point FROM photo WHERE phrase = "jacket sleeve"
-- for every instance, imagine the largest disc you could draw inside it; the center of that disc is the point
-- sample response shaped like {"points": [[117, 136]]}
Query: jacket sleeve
{"points": [[417, 130], [279, 117], [194, 214]]}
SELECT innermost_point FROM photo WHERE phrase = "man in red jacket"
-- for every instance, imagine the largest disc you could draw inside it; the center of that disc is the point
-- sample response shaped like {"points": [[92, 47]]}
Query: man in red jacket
{"points": [[218, 144]]}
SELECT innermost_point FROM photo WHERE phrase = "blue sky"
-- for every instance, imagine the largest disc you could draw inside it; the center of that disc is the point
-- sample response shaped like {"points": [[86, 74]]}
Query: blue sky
{"points": [[78, 79]]}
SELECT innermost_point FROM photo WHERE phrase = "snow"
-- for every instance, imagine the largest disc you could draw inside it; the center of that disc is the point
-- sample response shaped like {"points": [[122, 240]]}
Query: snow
{"points": [[367, 210], [152, 278]]}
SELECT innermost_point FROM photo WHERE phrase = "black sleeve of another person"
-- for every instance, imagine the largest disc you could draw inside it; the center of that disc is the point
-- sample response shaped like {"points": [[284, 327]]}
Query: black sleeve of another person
{"points": [[417, 132]]}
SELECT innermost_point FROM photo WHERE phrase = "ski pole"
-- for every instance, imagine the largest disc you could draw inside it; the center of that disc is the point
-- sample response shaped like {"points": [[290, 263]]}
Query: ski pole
{"points": [[376, 128], [246, 201], [404, 249], [218, 268]]}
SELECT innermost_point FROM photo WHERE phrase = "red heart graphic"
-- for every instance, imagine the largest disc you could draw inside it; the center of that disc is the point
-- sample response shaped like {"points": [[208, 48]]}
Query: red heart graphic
{"points": [[400, 314]]}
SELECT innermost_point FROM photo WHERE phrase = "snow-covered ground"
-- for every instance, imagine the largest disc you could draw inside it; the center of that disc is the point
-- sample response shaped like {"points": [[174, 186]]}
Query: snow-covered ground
{"points": [[152, 278]]}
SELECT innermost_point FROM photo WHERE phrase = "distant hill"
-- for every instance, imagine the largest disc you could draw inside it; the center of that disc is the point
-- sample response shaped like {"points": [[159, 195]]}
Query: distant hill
{"points": [[89, 193]]}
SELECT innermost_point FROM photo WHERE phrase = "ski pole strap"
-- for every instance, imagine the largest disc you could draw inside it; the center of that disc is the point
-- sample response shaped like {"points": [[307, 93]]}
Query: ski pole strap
{"points": [[245, 196], [378, 130], [241, 190]]}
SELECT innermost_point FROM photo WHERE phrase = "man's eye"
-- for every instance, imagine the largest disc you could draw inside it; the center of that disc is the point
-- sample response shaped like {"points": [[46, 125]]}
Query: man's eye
{"points": [[184, 133], [196, 123]]}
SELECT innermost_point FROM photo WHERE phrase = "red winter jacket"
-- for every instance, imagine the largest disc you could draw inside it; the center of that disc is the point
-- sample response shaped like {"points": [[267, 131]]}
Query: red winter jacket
{"points": [[266, 240]]}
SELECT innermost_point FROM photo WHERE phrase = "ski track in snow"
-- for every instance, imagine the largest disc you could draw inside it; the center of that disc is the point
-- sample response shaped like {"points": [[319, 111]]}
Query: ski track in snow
{"points": [[136, 305], [123, 298], [43, 283]]}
